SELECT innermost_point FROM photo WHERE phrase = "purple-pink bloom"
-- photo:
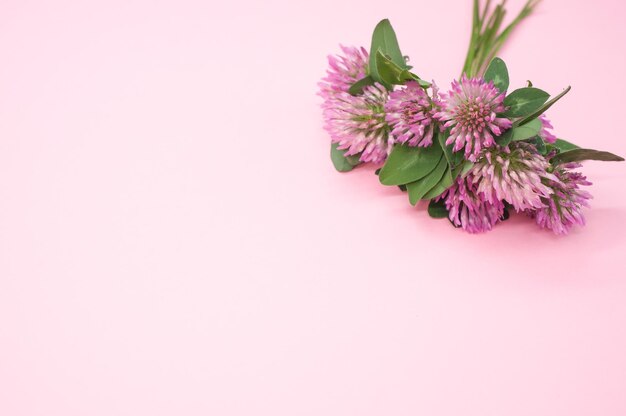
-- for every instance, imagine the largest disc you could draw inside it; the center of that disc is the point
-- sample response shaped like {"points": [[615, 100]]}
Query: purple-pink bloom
{"points": [[546, 127], [356, 123], [344, 70], [410, 114], [469, 111], [563, 209], [469, 209], [515, 174]]}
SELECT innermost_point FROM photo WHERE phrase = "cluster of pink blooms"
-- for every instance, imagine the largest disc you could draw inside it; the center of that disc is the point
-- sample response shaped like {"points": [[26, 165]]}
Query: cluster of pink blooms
{"points": [[520, 177], [356, 123], [516, 176]]}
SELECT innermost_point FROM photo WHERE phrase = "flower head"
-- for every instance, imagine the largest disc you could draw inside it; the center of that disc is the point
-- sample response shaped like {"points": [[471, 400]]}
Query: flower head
{"points": [[410, 114], [563, 209], [343, 71], [469, 111], [545, 132], [356, 123], [515, 174], [469, 209]]}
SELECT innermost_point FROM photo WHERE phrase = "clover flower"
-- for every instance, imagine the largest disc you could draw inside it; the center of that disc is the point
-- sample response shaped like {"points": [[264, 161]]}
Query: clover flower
{"points": [[469, 209], [356, 123], [410, 114], [343, 71], [469, 111], [515, 174], [563, 208]]}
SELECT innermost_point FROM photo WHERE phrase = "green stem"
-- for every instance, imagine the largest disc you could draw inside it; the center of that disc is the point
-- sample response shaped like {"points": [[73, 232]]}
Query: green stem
{"points": [[502, 37], [476, 23], [487, 39]]}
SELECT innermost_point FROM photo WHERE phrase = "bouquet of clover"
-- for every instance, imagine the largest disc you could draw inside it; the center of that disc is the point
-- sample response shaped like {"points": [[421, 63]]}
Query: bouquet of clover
{"points": [[475, 152]]}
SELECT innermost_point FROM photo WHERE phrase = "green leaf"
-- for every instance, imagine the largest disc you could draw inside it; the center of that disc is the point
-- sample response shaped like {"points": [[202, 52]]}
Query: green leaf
{"points": [[524, 101], [540, 145], [498, 73], [526, 131], [357, 87], [388, 72], [578, 155], [437, 209], [419, 188], [462, 169], [407, 164], [520, 133], [544, 107], [384, 39], [391, 74], [447, 150], [354, 160], [564, 145], [342, 163], [445, 182], [454, 159], [505, 138]]}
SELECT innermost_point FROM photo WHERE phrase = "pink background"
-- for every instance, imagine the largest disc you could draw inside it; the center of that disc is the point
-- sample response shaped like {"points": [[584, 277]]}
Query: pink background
{"points": [[174, 239]]}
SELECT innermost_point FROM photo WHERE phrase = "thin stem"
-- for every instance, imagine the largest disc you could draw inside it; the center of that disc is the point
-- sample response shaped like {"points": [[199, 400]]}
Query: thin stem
{"points": [[499, 42], [476, 22], [486, 38], [485, 10]]}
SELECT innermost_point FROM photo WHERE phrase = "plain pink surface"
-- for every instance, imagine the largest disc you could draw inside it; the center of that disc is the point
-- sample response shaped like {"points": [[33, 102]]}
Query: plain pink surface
{"points": [[174, 239]]}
